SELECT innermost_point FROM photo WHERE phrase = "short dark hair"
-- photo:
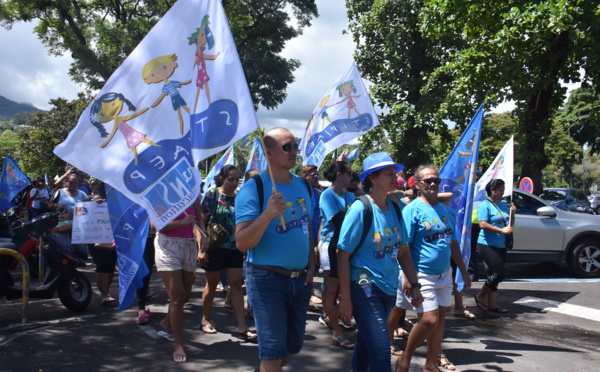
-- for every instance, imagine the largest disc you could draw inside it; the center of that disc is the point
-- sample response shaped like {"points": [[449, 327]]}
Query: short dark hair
{"points": [[335, 167], [307, 169]]}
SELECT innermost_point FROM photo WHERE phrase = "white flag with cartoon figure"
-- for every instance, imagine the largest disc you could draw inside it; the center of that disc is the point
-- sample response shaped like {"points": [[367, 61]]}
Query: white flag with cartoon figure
{"points": [[178, 98], [344, 113]]}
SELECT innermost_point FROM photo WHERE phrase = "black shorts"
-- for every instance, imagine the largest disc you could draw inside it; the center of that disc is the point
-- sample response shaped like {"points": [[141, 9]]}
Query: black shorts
{"points": [[104, 258], [223, 258]]}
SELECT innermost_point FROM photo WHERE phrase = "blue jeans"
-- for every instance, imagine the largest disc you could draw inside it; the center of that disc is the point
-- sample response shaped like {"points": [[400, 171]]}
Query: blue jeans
{"points": [[279, 305], [372, 309]]}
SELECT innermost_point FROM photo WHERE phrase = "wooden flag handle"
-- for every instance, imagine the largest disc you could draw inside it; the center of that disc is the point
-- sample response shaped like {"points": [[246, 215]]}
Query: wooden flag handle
{"points": [[262, 143]]}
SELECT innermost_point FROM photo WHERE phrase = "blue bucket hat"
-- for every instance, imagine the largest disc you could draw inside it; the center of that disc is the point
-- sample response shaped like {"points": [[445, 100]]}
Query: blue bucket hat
{"points": [[377, 161]]}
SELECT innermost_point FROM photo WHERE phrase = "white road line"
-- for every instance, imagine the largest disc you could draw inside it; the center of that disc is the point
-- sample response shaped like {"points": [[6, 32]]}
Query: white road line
{"points": [[560, 307]]}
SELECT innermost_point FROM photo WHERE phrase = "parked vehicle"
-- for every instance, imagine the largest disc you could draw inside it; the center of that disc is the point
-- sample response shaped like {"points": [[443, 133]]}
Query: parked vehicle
{"points": [[14, 237], [567, 199], [595, 202], [543, 232], [61, 275]]}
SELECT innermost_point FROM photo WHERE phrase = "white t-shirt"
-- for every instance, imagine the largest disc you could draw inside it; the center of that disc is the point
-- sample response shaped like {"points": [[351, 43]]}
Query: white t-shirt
{"points": [[38, 195]]}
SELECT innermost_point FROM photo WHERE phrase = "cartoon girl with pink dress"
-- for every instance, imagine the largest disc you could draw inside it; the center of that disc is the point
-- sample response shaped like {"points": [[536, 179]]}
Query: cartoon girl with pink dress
{"points": [[107, 108], [346, 89], [201, 37]]}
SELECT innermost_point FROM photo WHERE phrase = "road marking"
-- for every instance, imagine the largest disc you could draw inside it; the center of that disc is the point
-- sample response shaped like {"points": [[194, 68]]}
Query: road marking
{"points": [[553, 280], [560, 307]]}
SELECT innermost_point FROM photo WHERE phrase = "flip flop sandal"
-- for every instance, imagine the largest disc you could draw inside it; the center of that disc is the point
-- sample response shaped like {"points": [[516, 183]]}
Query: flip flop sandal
{"points": [[144, 318], [343, 342], [499, 310], [209, 329], [179, 358], [480, 304], [465, 314], [248, 336], [447, 365]]}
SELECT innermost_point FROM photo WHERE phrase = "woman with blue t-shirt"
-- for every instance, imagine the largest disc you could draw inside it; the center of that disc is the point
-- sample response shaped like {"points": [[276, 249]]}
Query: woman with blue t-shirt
{"points": [[334, 204], [495, 224], [368, 269]]}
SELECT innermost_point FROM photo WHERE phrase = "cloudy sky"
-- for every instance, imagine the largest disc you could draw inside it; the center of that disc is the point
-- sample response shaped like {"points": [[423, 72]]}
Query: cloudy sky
{"points": [[32, 76]]}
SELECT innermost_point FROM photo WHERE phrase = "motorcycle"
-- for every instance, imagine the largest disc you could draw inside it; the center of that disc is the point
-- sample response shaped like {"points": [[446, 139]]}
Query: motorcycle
{"points": [[12, 236], [60, 275]]}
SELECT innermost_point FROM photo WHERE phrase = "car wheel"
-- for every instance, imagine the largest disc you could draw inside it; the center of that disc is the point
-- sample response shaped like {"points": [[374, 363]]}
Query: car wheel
{"points": [[584, 260], [598, 210]]}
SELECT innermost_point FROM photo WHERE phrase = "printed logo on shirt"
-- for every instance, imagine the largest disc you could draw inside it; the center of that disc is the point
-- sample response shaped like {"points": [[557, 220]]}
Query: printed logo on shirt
{"points": [[385, 243], [437, 229], [297, 221]]}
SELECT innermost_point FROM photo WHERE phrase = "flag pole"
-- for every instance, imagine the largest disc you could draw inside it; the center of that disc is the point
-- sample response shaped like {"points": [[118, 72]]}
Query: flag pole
{"points": [[262, 143]]}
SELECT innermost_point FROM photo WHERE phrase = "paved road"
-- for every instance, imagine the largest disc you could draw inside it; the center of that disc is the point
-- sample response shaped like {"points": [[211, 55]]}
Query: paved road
{"points": [[539, 334]]}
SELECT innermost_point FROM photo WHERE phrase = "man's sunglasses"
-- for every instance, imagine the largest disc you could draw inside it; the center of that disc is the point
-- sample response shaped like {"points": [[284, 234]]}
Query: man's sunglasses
{"points": [[288, 147], [352, 189], [431, 180]]}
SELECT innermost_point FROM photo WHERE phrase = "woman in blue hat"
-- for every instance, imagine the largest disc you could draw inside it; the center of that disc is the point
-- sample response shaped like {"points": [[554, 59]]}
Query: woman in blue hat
{"points": [[368, 264]]}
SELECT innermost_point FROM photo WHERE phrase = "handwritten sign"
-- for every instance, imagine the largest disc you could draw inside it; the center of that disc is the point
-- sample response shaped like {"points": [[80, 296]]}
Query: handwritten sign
{"points": [[91, 223]]}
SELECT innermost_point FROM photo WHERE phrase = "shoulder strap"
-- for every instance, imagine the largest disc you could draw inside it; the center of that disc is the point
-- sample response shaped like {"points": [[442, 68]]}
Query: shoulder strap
{"points": [[367, 219], [308, 186], [397, 209], [261, 192]]}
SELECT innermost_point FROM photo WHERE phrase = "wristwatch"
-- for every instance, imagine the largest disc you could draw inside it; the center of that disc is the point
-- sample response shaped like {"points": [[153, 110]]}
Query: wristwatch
{"points": [[416, 285]]}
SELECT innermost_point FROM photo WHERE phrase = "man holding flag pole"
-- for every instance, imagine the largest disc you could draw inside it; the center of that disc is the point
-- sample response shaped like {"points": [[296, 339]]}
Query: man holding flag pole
{"points": [[280, 259]]}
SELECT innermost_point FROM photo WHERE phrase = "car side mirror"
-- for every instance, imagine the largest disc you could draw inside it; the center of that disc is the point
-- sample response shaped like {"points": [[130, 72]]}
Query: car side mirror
{"points": [[546, 211]]}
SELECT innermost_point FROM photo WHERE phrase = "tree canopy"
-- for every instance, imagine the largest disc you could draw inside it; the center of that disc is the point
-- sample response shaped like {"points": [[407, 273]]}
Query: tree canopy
{"points": [[100, 34], [581, 117], [48, 129]]}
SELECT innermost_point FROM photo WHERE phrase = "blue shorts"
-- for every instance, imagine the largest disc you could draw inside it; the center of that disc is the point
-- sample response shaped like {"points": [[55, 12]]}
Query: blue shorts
{"points": [[279, 305]]}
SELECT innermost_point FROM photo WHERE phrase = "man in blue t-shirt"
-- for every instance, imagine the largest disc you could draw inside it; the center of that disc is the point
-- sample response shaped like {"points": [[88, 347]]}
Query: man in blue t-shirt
{"points": [[278, 240], [430, 234]]}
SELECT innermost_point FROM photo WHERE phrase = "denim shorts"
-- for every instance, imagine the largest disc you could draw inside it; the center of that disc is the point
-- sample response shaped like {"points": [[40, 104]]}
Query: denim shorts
{"points": [[279, 304]]}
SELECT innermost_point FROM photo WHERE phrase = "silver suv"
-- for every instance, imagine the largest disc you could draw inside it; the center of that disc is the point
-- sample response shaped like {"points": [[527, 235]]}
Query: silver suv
{"points": [[543, 232]]}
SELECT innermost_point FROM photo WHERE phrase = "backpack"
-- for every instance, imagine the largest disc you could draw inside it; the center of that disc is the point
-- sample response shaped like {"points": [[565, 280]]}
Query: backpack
{"points": [[260, 187], [368, 218]]}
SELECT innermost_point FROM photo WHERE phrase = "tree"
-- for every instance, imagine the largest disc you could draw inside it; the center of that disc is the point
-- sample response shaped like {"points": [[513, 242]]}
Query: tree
{"points": [[517, 50], [564, 155], [100, 34], [9, 144], [587, 174], [392, 53], [47, 130], [581, 117]]}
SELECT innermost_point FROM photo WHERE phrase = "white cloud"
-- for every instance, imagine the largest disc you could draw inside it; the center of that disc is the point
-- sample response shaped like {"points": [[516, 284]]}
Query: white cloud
{"points": [[29, 74]]}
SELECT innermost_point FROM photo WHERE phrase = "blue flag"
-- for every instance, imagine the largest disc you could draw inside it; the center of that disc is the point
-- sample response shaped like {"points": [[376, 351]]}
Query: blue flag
{"points": [[353, 155], [13, 180], [226, 159], [257, 159], [458, 177], [130, 223]]}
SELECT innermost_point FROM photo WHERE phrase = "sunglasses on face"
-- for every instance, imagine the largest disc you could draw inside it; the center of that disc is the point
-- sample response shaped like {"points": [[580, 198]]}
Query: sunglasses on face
{"points": [[431, 180], [352, 189], [288, 147], [316, 176], [72, 182]]}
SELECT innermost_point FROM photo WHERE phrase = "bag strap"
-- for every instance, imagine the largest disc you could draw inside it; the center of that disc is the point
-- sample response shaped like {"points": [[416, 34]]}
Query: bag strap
{"points": [[214, 208], [503, 219], [260, 189], [368, 218]]}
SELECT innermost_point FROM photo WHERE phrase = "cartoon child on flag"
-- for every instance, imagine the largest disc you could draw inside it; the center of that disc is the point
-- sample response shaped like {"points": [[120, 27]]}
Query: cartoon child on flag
{"points": [[106, 109], [201, 38], [160, 69], [346, 89]]}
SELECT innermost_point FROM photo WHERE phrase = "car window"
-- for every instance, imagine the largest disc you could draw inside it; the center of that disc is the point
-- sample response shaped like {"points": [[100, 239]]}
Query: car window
{"points": [[579, 195], [553, 195], [525, 204]]}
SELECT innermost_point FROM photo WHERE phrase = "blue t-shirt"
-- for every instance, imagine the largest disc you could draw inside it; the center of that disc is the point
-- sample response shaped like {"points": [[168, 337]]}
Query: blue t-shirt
{"points": [[497, 217], [331, 204], [278, 247], [430, 230], [379, 252]]}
